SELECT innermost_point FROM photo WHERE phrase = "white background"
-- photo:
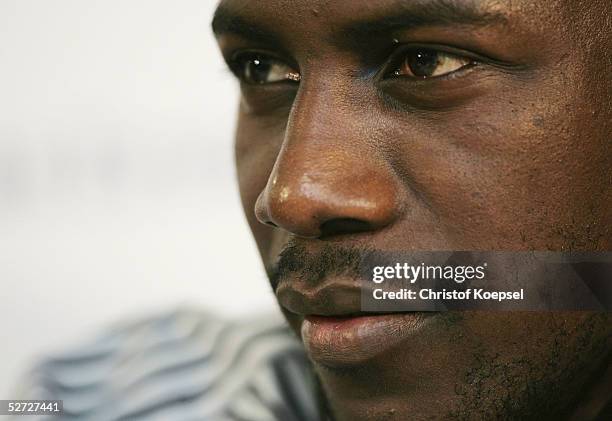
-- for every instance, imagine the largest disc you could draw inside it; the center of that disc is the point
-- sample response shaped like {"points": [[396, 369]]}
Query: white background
{"points": [[117, 190]]}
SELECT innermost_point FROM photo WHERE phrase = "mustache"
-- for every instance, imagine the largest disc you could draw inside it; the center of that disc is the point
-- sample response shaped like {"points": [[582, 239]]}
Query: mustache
{"points": [[297, 262]]}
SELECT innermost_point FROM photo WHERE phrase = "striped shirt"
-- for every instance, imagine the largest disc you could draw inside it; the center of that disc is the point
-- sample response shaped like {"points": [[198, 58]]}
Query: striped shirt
{"points": [[184, 366]]}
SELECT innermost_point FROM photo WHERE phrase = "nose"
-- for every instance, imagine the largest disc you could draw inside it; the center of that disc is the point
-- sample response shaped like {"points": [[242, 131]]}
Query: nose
{"points": [[328, 179]]}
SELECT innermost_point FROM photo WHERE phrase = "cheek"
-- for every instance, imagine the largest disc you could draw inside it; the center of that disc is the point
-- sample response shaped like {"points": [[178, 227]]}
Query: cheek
{"points": [[258, 143], [508, 170], [529, 348]]}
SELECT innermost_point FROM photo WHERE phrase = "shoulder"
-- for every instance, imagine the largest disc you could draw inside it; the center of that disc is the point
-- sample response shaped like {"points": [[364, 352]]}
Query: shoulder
{"points": [[183, 365]]}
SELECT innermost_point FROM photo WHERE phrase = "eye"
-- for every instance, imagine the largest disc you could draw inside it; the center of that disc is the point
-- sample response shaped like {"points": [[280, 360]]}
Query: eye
{"points": [[423, 63], [260, 69]]}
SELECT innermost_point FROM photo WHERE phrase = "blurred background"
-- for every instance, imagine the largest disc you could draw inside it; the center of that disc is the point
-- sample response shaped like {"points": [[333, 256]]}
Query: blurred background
{"points": [[117, 190]]}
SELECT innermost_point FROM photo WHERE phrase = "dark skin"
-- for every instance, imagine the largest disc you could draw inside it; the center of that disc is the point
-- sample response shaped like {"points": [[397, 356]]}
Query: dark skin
{"points": [[424, 125]]}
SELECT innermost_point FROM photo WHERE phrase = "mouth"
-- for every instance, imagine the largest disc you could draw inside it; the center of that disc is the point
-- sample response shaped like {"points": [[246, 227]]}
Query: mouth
{"points": [[353, 340], [334, 329]]}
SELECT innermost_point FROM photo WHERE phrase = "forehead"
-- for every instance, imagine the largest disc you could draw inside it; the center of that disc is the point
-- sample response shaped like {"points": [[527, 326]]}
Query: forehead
{"points": [[323, 15], [314, 24]]}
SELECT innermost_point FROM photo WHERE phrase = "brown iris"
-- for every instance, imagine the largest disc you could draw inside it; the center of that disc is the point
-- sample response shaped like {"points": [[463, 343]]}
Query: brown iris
{"points": [[424, 63]]}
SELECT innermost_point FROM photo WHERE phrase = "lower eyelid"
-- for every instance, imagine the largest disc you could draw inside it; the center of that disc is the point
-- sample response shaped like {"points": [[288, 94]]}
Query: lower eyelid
{"points": [[268, 98], [438, 93]]}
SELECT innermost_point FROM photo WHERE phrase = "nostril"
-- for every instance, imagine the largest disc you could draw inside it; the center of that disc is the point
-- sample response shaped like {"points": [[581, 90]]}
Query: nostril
{"points": [[272, 224], [339, 226]]}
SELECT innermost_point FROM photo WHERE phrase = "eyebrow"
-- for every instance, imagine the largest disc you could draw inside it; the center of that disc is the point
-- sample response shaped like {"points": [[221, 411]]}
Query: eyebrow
{"points": [[400, 14]]}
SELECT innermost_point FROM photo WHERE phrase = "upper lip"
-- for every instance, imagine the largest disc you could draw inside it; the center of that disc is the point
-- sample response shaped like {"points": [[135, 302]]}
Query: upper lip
{"points": [[331, 298]]}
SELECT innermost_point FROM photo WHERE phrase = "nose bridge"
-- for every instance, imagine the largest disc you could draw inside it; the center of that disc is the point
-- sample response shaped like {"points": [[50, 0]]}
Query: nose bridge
{"points": [[326, 172]]}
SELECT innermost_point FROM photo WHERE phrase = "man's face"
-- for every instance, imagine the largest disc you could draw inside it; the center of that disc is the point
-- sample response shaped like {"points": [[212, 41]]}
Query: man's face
{"points": [[425, 125]]}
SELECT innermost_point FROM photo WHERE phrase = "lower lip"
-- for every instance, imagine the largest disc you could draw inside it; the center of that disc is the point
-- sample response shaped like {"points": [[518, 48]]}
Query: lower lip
{"points": [[337, 342]]}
